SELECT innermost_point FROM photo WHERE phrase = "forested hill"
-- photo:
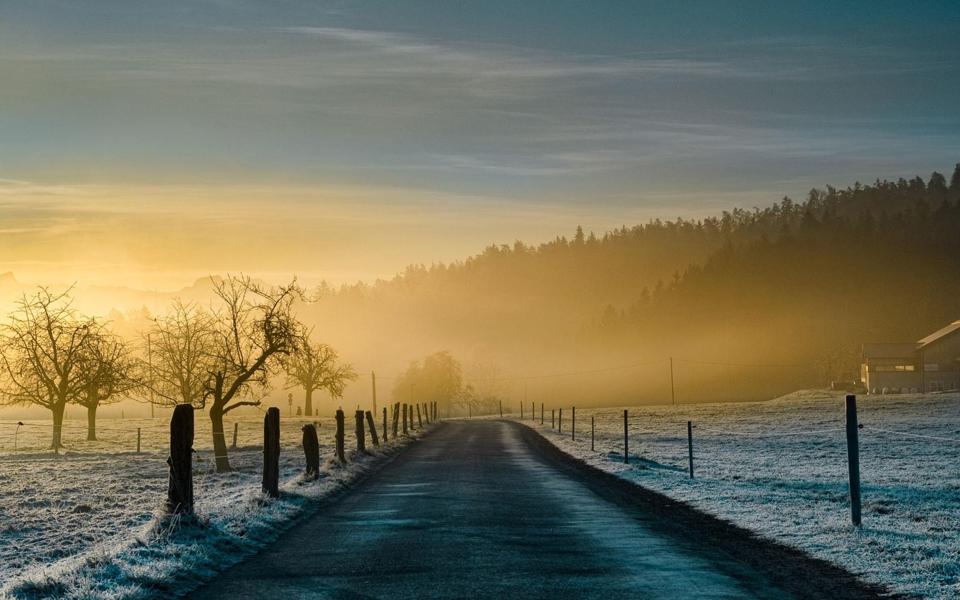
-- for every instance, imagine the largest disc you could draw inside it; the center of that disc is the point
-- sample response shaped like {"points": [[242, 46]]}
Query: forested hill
{"points": [[796, 283]]}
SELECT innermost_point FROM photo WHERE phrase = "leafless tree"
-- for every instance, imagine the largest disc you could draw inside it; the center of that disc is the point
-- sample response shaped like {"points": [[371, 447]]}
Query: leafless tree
{"points": [[107, 372], [180, 353], [255, 330], [42, 350], [314, 367]]}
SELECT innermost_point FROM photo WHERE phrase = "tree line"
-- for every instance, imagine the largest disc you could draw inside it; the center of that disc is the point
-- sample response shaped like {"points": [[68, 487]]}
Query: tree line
{"points": [[218, 358]]}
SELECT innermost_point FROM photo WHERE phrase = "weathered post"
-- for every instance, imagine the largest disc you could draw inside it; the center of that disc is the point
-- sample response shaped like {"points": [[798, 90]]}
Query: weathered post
{"points": [[501, 409], [419, 418], [533, 411], [626, 444], [560, 420], [573, 423], [404, 419], [235, 427], [311, 450], [373, 430], [853, 458], [690, 446], [541, 413], [592, 432], [180, 483], [396, 418], [521, 411], [384, 424], [553, 418], [339, 436], [271, 452], [361, 435], [138, 440]]}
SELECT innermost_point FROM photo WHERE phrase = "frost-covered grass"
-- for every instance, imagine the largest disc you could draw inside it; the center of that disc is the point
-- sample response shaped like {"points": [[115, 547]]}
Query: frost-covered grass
{"points": [[88, 523], [756, 466]]}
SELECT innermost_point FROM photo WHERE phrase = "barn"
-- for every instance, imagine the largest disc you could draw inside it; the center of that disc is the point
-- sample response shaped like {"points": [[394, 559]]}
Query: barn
{"points": [[927, 365]]}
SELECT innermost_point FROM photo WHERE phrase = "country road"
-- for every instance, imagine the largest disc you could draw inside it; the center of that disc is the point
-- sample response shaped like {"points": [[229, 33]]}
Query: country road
{"points": [[485, 509]]}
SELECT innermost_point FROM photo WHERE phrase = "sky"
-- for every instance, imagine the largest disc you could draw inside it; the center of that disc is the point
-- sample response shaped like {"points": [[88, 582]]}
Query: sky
{"points": [[149, 143]]}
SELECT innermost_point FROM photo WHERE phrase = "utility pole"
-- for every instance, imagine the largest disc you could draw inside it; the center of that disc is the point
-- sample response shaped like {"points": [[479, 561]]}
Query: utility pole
{"points": [[150, 369], [373, 382], [673, 390]]}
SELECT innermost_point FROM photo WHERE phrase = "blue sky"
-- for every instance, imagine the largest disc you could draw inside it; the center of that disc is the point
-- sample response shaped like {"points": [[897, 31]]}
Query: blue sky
{"points": [[507, 119]]}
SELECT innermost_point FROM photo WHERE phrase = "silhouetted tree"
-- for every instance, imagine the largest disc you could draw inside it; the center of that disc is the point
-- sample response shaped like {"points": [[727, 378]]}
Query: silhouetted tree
{"points": [[107, 371], [41, 348], [180, 353], [255, 330], [314, 367]]}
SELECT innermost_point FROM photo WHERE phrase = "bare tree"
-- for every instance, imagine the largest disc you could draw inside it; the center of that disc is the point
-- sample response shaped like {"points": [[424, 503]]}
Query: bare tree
{"points": [[42, 351], [180, 350], [107, 373], [314, 367], [255, 331]]}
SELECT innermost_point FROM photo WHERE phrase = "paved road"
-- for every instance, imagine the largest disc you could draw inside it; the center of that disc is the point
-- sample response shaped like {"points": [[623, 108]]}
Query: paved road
{"points": [[475, 511]]}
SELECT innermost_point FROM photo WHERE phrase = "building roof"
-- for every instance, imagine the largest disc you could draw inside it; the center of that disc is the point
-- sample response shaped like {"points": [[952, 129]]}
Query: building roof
{"points": [[889, 350], [939, 334]]}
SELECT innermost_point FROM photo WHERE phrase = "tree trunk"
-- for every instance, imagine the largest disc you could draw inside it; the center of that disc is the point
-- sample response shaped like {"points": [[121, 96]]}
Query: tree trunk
{"points": [[308, 403], [219, 441], [92, 422], [58, 410]]}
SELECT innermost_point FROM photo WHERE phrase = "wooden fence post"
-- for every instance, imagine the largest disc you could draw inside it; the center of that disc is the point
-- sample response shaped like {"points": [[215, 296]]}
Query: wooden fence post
{"points": [[404, 418], [573, 423], [533, 411], [384, 424], [592, 432], [853, 458], [138, 440], [235, 427], [271, 452], [501, 409], [690, 446], [521, 411], [626, 443], [541, 413], [373, 430], [361, 436], [339, 436], [553, 418], [419, 418], [311, 450], [180, 483], [396, 418], [560, 420]]}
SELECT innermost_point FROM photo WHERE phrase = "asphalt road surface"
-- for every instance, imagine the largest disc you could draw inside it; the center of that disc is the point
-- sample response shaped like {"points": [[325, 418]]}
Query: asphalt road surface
{"points": [[484, 509]]}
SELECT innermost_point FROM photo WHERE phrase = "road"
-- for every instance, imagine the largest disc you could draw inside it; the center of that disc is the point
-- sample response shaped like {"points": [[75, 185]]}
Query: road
{"points": [[481, 509]]}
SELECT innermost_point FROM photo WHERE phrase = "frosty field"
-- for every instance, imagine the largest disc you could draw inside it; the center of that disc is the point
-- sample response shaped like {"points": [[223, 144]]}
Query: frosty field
{"points": [[780, 468], [85, 524]]}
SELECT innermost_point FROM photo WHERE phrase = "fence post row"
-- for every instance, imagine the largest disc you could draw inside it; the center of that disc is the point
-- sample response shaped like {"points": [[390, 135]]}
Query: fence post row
{"points": [[853, 458], [626, 443], [271, 452], [180, 482], [311, 450], [690, 446], [373, 430], [361, 436], [339, 436]]}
